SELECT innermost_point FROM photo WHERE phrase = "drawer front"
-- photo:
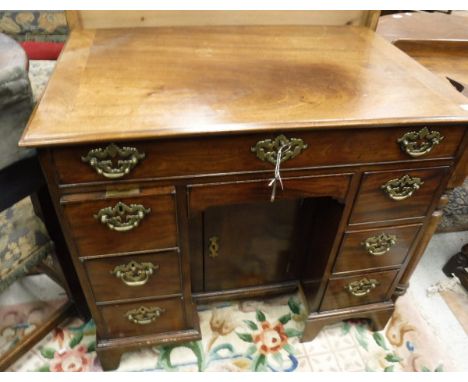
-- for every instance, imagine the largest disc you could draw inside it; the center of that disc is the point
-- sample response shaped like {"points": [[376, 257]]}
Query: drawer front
{"points": [[103, 225], [128, 277], [203, 196], [370, 249], [364, 289], [388, 195], [214, 155], [142, 318]]}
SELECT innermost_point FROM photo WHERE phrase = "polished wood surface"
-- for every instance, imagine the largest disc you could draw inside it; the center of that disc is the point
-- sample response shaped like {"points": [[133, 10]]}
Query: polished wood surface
{"points": [[354, 256], [121, 84], [210, 195], [185, 157], [374, 205], [337, 296], [157, 230], [118, 325], [448, 59], [165, 279]]}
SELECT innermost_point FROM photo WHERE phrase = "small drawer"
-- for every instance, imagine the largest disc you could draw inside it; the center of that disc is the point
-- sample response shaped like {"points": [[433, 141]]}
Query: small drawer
{"points": [[128, 277], [121, 222], [389, 195], [364, 289], [376, 248], [243, 153], [142, 318]]}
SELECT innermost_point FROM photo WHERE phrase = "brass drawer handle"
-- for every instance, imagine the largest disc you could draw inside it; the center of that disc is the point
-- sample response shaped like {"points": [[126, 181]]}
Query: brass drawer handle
{"points": [[277, 151], [419, 143], [103, 160], [267, 150], [379, 245], [134, 274], [144, 315], [122, 217], [361, 287], [403, 188]]}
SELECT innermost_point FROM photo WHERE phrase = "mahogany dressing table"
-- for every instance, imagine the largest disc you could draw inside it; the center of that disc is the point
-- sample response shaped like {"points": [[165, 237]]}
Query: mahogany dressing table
{"points": [[197, 164]]}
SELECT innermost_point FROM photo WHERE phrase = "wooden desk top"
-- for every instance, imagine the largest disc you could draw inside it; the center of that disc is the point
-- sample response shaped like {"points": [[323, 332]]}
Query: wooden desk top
{"points": [[169, 82]]}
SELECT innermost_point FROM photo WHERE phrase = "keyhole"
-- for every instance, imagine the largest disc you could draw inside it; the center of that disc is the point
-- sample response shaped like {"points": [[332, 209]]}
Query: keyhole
{"points": [[213, 246]]}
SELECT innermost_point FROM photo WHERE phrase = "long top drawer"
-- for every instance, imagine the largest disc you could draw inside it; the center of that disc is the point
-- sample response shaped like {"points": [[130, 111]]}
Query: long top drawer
{"points": [[250, 153]]}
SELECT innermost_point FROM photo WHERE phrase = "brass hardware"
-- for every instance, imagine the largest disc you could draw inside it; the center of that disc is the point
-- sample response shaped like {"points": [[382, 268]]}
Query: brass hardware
{"points": [[213, 246], [144, 315], [379, 245], [133, 273], [419, 143], [122, 217], [103, 160], [277, 151], [267, 150], [361, 287], [403, 188], [122, 193]]}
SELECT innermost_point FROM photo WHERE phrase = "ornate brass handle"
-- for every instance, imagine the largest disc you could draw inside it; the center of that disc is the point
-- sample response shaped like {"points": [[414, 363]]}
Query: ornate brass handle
{"points": [[277, 151], [103, 160], [133, 273], [144, 315], [403, 188], [122, 217], [267, 150], [379, 245], [418, 143], [361, 287]]}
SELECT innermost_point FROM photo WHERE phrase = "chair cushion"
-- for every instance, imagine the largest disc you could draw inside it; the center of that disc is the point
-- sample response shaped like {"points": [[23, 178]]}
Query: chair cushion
{"points": [[16, 101], [24, 242]]}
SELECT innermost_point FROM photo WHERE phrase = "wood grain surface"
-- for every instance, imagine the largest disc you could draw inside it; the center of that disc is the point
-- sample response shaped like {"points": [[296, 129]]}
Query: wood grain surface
{"points": [[195, 156], [116, 84]]}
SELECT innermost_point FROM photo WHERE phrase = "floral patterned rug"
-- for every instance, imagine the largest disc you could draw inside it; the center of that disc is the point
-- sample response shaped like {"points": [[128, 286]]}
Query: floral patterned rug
{"points": [[258, 336]]}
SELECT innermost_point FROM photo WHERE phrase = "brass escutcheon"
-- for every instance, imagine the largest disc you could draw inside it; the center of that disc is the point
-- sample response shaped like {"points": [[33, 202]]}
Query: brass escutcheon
{"points": [[379, 245], [122, 217], [134, 274], [213, 247], [361, 287], [267, 150], [419, 143], [144, 315], [402, 188], [103, 160]]}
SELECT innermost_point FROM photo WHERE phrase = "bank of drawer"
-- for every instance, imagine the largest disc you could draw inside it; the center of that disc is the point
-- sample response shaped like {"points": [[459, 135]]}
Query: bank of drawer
{"points": [[128, 277], [149, 217], [338, 296], [376, 248], [374, 204], [214, 155], [143, 318]]}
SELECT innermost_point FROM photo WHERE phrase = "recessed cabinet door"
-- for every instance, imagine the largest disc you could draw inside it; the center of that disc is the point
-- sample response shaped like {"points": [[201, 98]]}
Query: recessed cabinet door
{"points": [[250, 241]]}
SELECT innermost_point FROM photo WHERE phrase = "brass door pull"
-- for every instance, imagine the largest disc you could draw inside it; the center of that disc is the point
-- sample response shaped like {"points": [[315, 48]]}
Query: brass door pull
{"points": [[134, 274], [103, 160], [379, 245], [419, 143], [122, 217], [402, 188], [144, 315], [361, 287]]}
